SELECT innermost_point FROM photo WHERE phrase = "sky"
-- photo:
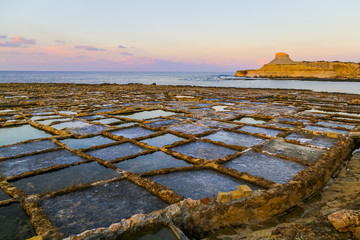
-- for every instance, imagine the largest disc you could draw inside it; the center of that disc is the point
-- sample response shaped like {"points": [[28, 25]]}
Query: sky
{"points": [[186, 35]]}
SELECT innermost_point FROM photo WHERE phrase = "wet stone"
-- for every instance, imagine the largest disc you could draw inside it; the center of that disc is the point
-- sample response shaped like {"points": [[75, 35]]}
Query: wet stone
{"points": [[199, 184], [287, 119], [163, 123], [293, 150], [313, 140], [117, 151], [86, 142], [204, 150], [156, 233], [99, 206], [335, 124], [325, 129], [92, 117], [218, 124], [25, 148], [3, 196], [11, 135], [108, 120], [153, 161], [147, 114], [92, 129], [282, 125], [162, 140], [251, 120], [233, 138], [48, 182], [50, 121], [190, 128], [34, 162], [68, 112], [127, 124], [15, 224], [133, 132], [36, 118], [266, 131], [271, 168]]}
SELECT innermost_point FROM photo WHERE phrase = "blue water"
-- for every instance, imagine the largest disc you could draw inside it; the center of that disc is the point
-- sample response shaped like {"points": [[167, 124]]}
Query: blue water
{"points": [[215, 79]]}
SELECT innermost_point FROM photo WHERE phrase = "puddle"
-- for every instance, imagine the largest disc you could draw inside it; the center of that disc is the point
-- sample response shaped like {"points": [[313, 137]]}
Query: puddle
{"points": [[266, 131], [251, 120], [155, 233], [35, 118], [117, 151], [20, 165], [233, 138], [218, 124], [220, 108], [50, 121], [25, 148], [324, 129], [108, 120], [48, 182], [92, 117], [293, 150], [15, 224], [3, 196], [133, 132], [86, 142], [190, 128], [68, 112], [313, 140], [153, 161], [204, 150], [336, 124], [72, 124], [12, 135], [199, 184], [163, 123], [163, 140], [147, 114], [271, 168], [333, 113], [99, 206]]}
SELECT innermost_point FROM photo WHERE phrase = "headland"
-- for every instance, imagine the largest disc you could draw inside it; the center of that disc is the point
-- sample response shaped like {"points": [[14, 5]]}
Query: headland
{"points": [[282, 67]]}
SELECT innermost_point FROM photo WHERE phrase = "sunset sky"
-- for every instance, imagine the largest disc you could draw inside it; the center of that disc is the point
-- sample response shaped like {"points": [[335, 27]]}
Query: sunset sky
{"points": [[187, 35]]}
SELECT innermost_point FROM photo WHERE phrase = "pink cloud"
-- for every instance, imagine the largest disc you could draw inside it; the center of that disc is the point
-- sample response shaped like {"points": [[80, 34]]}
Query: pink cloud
{"points": [[60, 42], [121, 46], [3, 36], [90, 48], [16, 41]]}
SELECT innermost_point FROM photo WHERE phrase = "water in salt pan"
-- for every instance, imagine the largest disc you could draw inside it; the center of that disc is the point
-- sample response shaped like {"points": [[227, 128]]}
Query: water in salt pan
{"points": [[3, 196], [15, 224], [133, 132], [266, 131], [282, 125], [233, 138], [35, 118], [34, 162], [197, 184], [313, 140], [25, 148], [10, 135], [92, 117], [251, 120], [86, 142], [99, 206], [147, 114], [335, 124], [153, 161], [68, 112], [271, 168], [117, 151], [91, 129], [325, 129], [204, 150], [218, 124], [220, 108], [293, 150], [72, 124], [48, 182], [50, 121], [163, 123], [155, 233], [127, 124], [190, 128], [162, 140], [108, 120]]}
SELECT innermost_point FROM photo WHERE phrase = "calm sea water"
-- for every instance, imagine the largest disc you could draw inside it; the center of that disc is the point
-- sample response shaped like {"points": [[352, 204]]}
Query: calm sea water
{"points": [[217, 79]]}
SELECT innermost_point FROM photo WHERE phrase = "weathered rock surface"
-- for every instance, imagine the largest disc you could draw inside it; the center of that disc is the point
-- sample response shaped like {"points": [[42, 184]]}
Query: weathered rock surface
{"points": [[283, 67]]}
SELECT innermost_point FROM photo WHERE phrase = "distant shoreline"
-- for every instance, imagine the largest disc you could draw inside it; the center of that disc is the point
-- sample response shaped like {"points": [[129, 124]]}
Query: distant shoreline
{"points": [[295, 79]]}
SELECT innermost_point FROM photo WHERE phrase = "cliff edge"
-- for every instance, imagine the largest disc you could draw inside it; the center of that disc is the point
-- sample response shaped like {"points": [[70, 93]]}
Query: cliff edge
{"points": [[283, 67]]}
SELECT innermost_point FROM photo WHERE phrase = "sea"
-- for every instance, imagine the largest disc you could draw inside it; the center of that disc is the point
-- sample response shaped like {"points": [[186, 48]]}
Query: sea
{"points": [[209, 79]]}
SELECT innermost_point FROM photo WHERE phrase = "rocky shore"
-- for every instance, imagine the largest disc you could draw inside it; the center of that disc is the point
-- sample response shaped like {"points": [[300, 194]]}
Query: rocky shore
{"points": [[282, 67]]}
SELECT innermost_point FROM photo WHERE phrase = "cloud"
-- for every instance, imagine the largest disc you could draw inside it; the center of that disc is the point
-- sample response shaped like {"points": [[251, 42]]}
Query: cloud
{"points": [[17, 41], [3, 36], [121, 46], [10, 53], [90, 48], [126, 53], [60, 42]]}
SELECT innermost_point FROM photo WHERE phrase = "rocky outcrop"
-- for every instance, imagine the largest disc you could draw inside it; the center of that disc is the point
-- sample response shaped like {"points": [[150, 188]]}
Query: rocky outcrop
{"points": [[283, 67]]}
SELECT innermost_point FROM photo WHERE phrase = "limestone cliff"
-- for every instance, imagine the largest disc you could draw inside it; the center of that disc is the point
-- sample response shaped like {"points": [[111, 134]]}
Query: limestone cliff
{"points": [[283, 67]]}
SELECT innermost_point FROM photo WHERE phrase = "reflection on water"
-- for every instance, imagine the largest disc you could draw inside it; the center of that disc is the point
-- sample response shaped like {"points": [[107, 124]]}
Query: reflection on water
{"points": [[176, 78]]}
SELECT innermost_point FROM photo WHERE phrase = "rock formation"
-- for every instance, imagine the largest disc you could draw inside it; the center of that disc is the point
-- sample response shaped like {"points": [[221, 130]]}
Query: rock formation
{"points": [[283, 67]]}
